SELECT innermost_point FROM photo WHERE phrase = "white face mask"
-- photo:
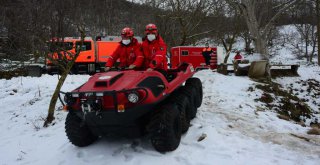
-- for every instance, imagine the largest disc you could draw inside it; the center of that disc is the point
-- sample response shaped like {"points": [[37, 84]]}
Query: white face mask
{"points": [[151, 37], [126, 42]]}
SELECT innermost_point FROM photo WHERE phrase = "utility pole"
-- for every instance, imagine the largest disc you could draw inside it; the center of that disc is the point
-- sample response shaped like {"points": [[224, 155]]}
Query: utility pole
{"points": [[318, 27]]}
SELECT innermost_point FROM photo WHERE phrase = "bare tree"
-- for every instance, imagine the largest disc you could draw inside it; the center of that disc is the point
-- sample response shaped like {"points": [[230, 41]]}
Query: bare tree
{"points": [[307, 34], [229, 29], [245, 35], [65, 64], [260, 17], [228, 34], [305, 23], [181, 21]]}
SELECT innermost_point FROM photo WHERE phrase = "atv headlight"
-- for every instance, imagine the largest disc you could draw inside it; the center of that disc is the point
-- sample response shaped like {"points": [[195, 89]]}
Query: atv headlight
{"points": [[100, 94], [133, 97], [75, 94]]}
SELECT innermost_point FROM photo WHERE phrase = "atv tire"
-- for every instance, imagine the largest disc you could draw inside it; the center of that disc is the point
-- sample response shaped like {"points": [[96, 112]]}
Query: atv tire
{"points": [[191, 94], [77, 132], [196, 83], [166, 134], [184, 108]]}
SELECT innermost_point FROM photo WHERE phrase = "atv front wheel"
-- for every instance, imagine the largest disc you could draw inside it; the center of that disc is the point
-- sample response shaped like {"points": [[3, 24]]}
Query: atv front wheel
{"points": [[77, 132], [166, 134]]}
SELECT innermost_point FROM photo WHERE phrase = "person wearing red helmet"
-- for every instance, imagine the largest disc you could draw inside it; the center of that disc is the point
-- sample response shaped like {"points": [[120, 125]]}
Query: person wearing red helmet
{"points": [[154, 49], [129, 52]]}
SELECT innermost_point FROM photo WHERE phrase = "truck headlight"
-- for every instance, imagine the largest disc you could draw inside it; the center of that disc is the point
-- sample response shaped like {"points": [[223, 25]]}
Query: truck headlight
{"points": [[133, 97]]}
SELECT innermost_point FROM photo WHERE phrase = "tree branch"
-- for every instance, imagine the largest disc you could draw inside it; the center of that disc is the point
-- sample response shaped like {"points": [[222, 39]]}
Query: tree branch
{"points": [[194, 35], [285, 7]]}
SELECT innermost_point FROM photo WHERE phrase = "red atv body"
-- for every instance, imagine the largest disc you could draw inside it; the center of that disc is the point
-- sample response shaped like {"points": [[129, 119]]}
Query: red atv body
{"points": [[134, 103]]}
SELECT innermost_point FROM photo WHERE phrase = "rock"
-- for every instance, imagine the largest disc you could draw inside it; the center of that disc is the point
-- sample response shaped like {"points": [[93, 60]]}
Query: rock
{"points": [[283, 117], [203, 136]]}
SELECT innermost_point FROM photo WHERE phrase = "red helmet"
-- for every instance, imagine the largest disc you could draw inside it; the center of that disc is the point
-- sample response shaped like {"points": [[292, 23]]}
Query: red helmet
{"points": [[127, 32], [151, 28]]}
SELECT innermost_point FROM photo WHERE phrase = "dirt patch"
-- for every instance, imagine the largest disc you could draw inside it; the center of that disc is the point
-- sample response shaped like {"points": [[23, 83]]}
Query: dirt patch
{"points": [[314, 131], [311, 87], [283, 72], [284, 102]]}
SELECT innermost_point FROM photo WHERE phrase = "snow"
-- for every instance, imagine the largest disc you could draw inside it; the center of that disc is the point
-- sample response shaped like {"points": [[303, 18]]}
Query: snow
{"points": [[238, 130]]}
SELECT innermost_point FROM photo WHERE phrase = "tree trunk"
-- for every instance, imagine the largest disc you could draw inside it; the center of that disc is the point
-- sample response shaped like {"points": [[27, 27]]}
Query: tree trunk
{"points": [[261, 47], [314, 42], [306, 47], [54, 99], [318, 28], [259, 37], [248, 41], [66, 69]]}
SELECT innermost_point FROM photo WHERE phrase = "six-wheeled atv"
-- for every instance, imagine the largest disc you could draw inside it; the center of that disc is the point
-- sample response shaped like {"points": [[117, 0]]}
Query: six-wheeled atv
{"points": [[133, 103]]}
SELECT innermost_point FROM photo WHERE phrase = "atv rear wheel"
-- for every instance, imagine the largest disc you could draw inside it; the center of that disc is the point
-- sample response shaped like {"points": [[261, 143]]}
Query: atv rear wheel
{"points": [[191, 94], [184, 108], [196, 83], [77, 132], [166, 133]]}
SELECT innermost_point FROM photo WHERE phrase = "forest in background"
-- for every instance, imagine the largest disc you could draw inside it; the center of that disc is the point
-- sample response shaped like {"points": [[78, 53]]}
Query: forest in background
{"points": [[27, 25]]}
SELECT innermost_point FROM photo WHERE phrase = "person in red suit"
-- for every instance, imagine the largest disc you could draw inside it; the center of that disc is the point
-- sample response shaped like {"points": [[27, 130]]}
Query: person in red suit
{"points": [[154, 49], [129, 52], [238, 56]]}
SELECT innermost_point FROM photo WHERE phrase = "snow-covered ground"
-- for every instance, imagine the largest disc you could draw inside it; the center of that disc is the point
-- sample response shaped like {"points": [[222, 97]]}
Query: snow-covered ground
{"points": [[238, 130]]}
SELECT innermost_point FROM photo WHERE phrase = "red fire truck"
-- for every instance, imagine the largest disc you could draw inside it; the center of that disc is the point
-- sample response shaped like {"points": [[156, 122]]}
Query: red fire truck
{"points": [[193, 55], [93, 55]]}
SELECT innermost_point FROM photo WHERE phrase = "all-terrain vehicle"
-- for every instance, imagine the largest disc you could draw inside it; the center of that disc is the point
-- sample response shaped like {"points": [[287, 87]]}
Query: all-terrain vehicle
{"points": [[134, 103]]}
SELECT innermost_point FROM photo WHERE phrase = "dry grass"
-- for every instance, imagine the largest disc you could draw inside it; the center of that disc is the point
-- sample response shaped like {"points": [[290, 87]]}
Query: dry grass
{"points": [[288, 106], [314, 131]]}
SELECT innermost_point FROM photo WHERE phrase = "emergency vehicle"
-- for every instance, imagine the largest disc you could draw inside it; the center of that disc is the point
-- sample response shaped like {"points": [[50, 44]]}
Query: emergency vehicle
{"points": [[193, 55], [93, 55]]}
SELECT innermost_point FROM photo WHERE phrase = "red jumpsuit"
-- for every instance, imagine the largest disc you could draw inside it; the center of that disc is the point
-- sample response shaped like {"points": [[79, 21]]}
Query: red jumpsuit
{"points": [[128, 54], [155, 53], [238, 57]]}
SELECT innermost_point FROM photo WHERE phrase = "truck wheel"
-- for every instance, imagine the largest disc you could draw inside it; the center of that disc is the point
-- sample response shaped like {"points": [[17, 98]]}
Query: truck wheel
{"points": [[196, 83], [191, 94], [184, 108], [166, 133], [78, 133]]}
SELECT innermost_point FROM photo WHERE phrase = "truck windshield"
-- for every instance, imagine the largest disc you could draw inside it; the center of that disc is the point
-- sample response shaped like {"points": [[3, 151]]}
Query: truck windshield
{"points": [[60, 46], [85, 45]]}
